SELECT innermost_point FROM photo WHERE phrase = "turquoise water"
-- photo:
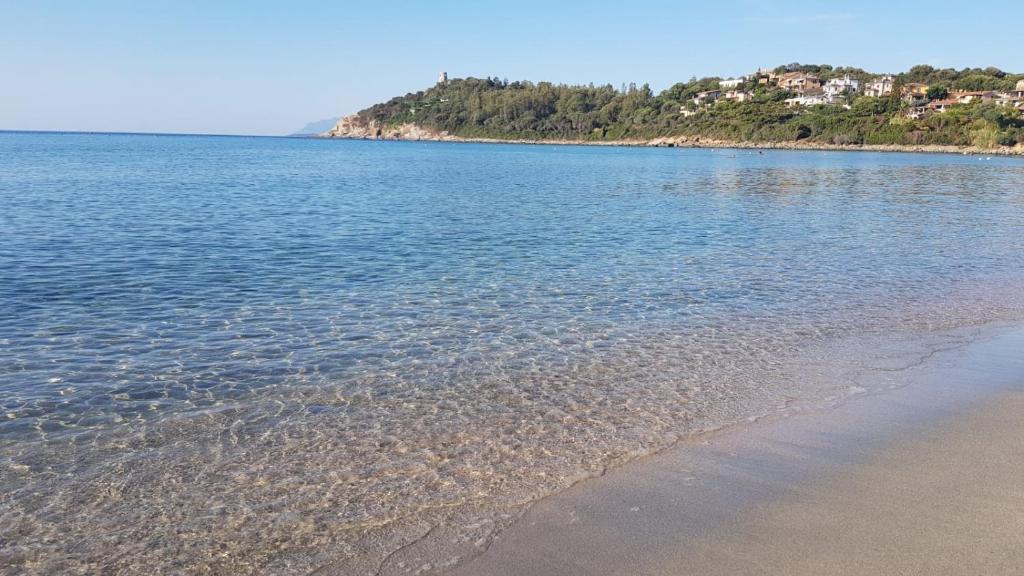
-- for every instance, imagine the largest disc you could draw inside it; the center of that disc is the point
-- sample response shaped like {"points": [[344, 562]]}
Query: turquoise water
{"points": [[315, 338]]}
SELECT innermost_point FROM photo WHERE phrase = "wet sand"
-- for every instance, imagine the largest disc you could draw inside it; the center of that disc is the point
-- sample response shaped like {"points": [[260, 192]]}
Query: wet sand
{"points": [[923, 479], [948, 502]]}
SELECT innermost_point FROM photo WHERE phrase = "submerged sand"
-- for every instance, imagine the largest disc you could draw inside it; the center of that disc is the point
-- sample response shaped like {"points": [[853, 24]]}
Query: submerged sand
{"points": [[924, 479]]}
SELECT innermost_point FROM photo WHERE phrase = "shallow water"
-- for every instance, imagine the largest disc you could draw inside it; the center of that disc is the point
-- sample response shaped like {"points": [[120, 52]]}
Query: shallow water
{"points": [[263, 355]]}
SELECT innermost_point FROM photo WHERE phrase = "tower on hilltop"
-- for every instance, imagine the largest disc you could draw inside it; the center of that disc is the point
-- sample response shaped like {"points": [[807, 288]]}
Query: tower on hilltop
{"points": [[442, 78]]}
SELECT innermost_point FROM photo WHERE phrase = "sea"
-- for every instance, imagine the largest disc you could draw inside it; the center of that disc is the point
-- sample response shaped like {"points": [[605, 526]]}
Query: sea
{"points": [[257, 355]]}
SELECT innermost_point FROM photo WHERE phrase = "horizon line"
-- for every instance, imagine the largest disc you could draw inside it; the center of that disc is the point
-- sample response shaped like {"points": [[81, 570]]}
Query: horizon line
{"points": [[130, 133]]}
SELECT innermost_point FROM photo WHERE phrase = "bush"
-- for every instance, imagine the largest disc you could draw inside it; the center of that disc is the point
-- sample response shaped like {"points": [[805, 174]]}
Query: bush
{"points": [[985, 135], [938, 92], [1011, 137], [845, 140]]}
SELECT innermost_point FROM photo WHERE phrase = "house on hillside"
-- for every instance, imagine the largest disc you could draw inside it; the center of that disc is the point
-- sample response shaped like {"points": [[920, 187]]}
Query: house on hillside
{"points": [[738, 96], [765, 77], [799, 82], [914, 91], [879, 87], [706, 97], [1005, 99], [811, 100], [939, 106], [838, 87], [917, 112], [1015, 95], [968, 97], [731, 83]]}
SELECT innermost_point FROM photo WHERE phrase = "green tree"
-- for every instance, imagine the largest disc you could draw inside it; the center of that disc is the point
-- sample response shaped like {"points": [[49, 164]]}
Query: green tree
{"points": [[938, 92], [977, 82]]}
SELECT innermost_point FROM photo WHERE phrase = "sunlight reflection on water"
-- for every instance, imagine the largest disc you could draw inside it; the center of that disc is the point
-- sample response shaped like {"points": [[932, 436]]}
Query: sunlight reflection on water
{"points": [[212, 343]]}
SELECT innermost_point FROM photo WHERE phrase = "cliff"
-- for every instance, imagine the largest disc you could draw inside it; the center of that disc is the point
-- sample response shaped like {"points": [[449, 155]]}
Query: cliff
{"points": [[357, 127]]}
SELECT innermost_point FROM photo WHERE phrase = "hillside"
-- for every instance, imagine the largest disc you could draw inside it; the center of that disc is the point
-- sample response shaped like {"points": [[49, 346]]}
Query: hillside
{"points": [[793, 103]]}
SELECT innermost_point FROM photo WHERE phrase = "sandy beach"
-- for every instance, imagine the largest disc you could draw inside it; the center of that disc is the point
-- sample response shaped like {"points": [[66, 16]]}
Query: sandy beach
{"points": [[948, 501], [924, 479]]}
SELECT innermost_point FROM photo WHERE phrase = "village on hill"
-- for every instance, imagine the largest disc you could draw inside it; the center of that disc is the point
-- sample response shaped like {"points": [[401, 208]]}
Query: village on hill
{"points": [[808, 89]]}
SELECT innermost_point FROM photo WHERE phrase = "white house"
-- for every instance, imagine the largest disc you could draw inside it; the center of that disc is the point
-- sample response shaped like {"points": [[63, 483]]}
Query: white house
{"points": [[917, 112], [1005, 99], [1018, 92], [730, 84], [879, 87], [814, 100], [837, 87], [968, 97], [706, 97], [738, 96]]}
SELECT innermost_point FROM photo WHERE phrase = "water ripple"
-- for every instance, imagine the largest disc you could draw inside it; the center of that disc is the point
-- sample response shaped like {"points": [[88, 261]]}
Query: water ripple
{"points": [[250, 355]]}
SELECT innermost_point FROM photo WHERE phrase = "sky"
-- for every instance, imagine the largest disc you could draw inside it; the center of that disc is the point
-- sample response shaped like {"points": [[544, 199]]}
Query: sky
{"points": [[260, 67]]}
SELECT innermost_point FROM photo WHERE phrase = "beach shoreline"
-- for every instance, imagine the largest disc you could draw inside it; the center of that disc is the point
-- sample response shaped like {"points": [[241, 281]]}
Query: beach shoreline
{"points": [[686, 500], [405, 134], [918, 479]]}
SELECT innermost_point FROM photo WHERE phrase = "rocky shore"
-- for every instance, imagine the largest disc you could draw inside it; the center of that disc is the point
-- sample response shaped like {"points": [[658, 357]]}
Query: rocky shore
{"points": [[354, 128]]}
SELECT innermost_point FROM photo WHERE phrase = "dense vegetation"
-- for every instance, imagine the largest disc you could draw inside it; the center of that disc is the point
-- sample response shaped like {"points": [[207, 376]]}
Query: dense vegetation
{"points": [[494, 108]]}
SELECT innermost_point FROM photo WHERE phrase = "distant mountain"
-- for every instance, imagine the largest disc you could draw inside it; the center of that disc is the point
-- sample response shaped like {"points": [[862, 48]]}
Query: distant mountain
{"points": [[317, 127]]}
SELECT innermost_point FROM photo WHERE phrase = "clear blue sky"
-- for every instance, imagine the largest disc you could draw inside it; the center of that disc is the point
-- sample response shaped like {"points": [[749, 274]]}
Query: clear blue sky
{"points": [[259, 67]]}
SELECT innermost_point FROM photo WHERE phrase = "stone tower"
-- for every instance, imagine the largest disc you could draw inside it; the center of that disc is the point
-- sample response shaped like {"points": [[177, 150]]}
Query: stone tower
{"points": [[442, 78]]}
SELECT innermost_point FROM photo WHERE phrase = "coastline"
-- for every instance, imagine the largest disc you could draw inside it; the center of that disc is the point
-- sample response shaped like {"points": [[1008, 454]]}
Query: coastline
{"points": [[918, 479], [417, 134]]}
